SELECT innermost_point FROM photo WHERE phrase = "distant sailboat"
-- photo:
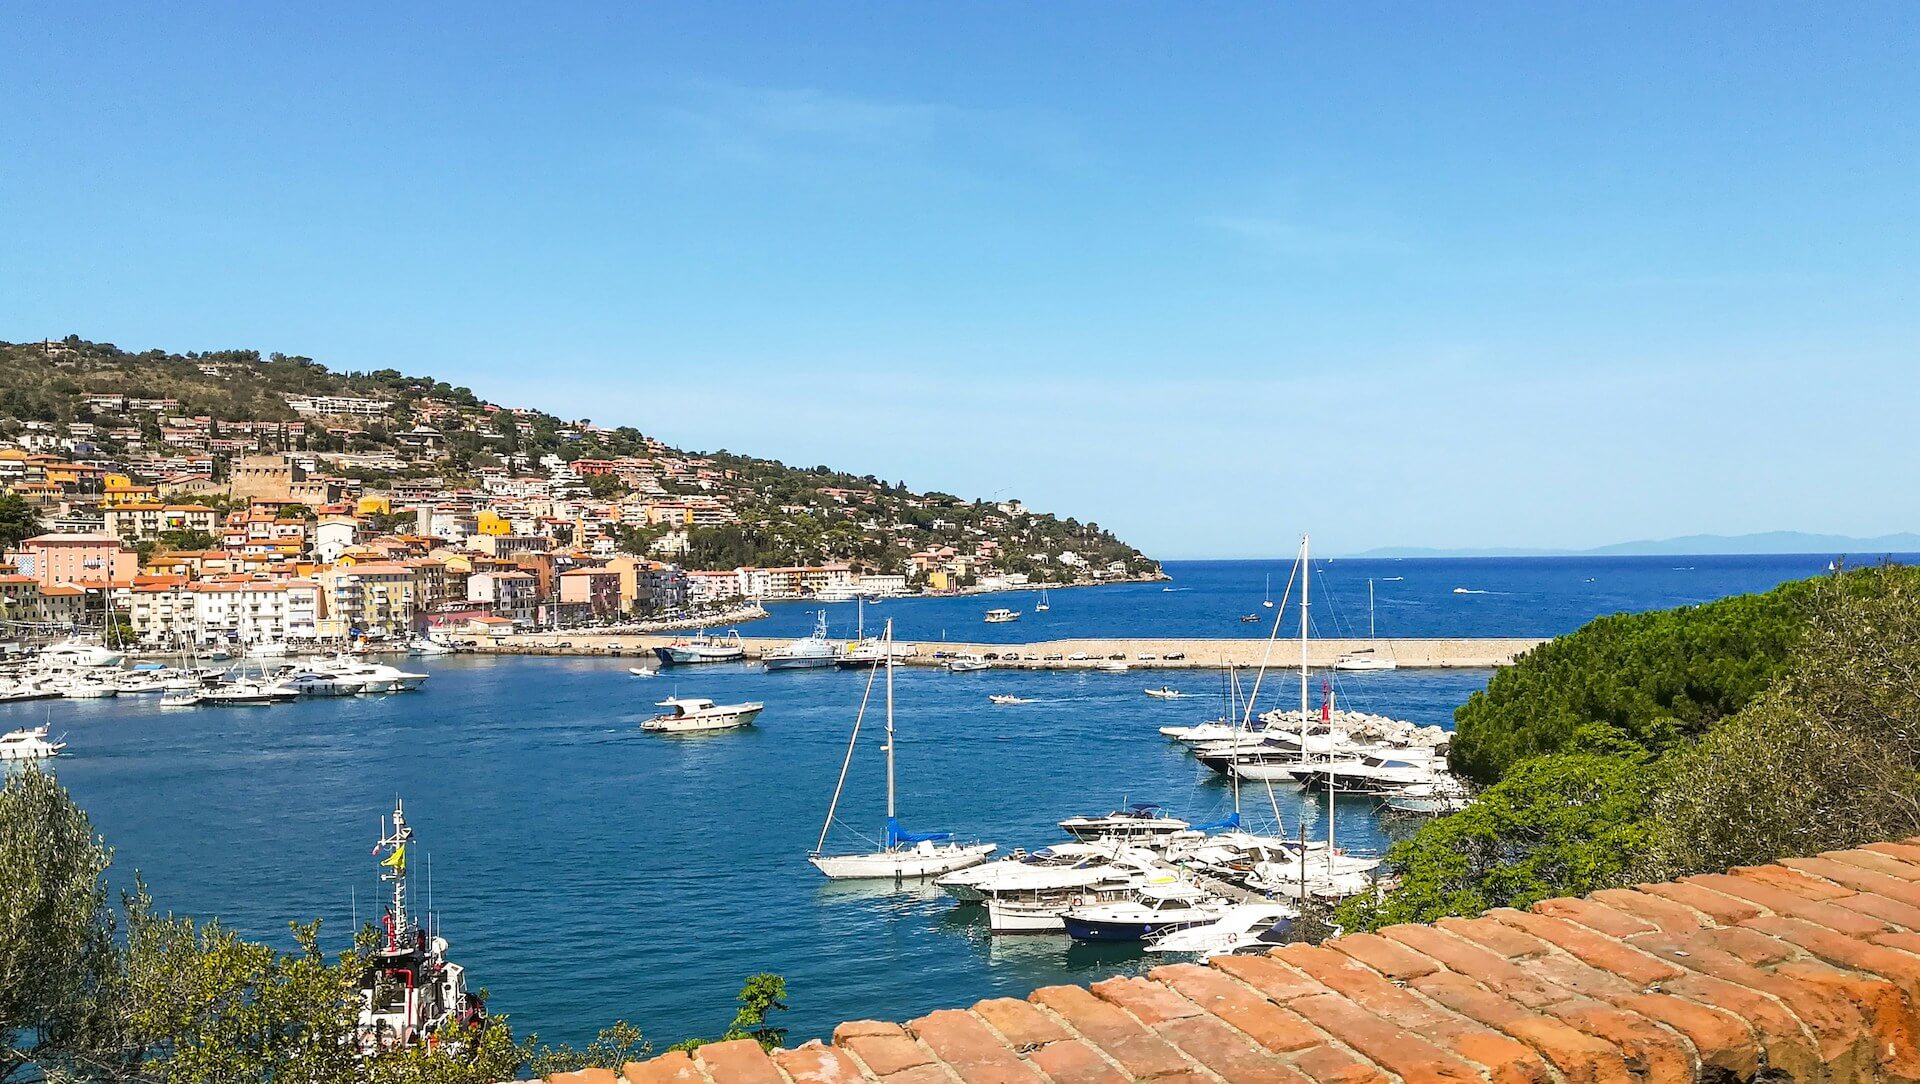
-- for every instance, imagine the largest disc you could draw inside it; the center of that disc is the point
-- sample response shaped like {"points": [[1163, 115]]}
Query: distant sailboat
{"points": [[904, 854], [1365, 659], [1269, 602], [1043, 605]]}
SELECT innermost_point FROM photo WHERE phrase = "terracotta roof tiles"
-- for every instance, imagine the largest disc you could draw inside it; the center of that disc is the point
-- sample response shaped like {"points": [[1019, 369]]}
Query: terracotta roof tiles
{"points": [[1807, 970]]}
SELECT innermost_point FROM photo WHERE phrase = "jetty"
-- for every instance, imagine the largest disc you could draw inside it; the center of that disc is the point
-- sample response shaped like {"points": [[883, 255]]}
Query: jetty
{"points": [[1465, 653]]}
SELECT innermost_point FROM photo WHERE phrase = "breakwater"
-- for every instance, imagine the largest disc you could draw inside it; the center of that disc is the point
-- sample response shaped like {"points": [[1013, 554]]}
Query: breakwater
{"points": [[1157, 653]]}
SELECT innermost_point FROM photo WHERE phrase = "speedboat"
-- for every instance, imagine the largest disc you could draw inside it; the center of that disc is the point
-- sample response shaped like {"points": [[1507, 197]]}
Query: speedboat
{"points": [[1140, 824], [1166, 692], [1249, 618], [807, 653], [1001, 616], [1157, 908], [29, 745], [703, 649], [1002, 698], [642, 671], [1243, 927], [695, 714]]}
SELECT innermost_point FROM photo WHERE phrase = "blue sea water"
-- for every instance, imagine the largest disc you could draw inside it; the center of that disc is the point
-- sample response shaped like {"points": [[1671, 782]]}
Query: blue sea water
{"points": [[1533, 596], [586, 871]]}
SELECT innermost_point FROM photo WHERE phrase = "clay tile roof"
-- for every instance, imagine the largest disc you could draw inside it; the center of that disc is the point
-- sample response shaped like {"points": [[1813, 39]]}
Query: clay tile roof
{"points": [[1805, 970]]}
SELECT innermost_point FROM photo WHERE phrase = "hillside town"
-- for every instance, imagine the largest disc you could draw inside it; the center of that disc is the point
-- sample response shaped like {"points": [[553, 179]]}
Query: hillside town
{"points": [[218, 499]]}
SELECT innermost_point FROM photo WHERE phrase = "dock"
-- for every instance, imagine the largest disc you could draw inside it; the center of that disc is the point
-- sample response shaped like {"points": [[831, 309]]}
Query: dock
{"points": [[1463, 653]]}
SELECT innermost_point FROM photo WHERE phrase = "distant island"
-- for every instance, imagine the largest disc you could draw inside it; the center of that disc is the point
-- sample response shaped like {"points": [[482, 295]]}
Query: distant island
{"points": [[1767, 542]]}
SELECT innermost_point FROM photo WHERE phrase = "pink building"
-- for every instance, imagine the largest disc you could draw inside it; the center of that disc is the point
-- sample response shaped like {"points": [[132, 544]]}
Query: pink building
{"points": [[70, 558]]}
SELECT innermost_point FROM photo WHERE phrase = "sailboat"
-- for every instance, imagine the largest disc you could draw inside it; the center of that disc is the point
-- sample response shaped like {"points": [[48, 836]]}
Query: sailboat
{"points": [[1268, 604], [1043, 605], [903, 854], [1365, 659]]}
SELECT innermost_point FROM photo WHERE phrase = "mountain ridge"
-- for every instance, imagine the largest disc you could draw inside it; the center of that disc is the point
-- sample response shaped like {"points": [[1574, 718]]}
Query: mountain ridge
{"points": [[1755, 544]]}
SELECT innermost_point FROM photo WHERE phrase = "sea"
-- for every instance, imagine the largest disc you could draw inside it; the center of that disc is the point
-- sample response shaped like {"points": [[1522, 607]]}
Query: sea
{"points": [[587, 872]]}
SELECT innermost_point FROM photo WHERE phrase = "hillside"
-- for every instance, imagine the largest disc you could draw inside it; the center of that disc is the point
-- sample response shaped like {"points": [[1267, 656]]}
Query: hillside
{"points": [[155, 414]]}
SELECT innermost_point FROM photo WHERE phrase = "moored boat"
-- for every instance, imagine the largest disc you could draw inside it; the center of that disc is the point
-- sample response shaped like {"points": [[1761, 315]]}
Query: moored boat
{"points": [[807, 653], [1157, 908], [702, 649]]}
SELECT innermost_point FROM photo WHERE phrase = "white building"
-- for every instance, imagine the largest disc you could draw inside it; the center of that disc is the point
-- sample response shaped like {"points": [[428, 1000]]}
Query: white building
{"points": [[347, 405]]}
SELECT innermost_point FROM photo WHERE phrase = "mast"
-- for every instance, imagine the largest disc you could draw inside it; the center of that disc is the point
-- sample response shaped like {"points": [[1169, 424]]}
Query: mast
{"points": [[1370, 633], [394, 869], [888, 638], [1306, 577]]}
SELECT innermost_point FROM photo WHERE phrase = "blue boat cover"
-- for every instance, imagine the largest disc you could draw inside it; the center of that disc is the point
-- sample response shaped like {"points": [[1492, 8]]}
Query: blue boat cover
{"points": [[896, 836], [1232, 821]]}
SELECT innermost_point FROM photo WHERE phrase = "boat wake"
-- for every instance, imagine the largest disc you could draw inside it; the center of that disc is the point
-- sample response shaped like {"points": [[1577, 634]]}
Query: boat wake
{"points": [[1391, 579], [1470, 591]]}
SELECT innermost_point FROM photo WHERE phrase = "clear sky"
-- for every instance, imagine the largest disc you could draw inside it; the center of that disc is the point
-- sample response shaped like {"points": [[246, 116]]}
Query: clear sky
{"points": [[1208, 274]]}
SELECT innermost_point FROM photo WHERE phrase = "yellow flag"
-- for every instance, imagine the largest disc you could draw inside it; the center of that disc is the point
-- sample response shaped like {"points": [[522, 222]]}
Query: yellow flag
{"points": [[396, 860]]}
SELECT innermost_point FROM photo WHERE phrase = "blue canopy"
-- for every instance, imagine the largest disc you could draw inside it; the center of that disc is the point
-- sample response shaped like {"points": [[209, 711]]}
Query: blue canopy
{"points": [[1232, 821], [896, 836]]}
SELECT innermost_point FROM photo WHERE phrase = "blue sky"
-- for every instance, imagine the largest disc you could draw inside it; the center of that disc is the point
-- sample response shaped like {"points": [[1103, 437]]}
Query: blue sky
{"points": [[1446, 275]]}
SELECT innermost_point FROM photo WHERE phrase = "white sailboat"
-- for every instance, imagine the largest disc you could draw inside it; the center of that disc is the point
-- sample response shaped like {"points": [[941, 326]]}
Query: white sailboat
{"points": [[1043, 605], [1268, 604], [1366, 658], [903, 854]]}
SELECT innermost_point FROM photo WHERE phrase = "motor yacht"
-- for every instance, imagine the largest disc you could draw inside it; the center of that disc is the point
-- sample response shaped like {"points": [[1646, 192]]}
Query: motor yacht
{"points": [[82, 685], [77, 651], [319, 683], [1245, 927], [29, 745], [697, 714], [703, 649], [1157, 907], [375, 677], [1140, 824], [267, 649], [807, 653], [966, 664], [242, 694], [427, 646], [1023, 869], [873, 651], [1001, 616]]}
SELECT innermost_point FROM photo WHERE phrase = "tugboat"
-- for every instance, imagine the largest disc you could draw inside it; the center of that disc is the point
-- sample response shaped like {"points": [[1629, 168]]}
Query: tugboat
{"points": [[410, 994]]}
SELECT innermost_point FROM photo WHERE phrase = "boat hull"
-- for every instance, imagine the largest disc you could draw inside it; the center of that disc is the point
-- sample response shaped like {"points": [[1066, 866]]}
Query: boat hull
{"points": [[679, 656], [900, 865], [797, 662], [1083, 929], [702, 724]]}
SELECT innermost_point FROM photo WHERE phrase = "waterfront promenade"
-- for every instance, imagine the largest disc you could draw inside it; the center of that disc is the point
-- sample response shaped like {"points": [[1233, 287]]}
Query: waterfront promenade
{"points": [[1146, 653]]}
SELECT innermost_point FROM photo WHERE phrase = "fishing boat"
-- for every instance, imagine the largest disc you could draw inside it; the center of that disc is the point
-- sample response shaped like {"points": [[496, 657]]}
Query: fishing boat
{"points": [[703, 649], [410, 994], [902, 854], [1166, 692], [1001, 615], [1004, 698], [1157, 908], [697, 714], [966, 664], [29, 745], [1043, 605], [807, 653]]}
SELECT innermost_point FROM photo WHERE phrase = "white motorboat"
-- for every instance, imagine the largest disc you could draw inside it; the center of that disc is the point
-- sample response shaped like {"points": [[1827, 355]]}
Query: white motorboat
{"points": [[410, 993], [703, 649], [697, 714], [1003, 698], [1001, 615], [375, 677], [1445, 796], [873, 651], [1056, 865], [642, 671], [181, 698], [77, 651], [807, 653], [1140, 824], [241, 694], [427, 646], [1365, 775], [1157, 908], [1111, 666], [902, 854], [1246, 927], [320, 683], [267, 649], [29, 745], [1038, 902], [966, 664], [1166, 692], [81, 685]]}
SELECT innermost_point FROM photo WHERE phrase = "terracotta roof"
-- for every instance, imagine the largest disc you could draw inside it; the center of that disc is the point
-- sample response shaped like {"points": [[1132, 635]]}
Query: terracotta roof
{"points": [[1808, 970]]}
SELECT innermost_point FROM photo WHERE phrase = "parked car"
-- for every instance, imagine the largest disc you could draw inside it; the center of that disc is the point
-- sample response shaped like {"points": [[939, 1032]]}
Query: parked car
{"points": [[1176, 656], [613, 648], [1078, 656]]}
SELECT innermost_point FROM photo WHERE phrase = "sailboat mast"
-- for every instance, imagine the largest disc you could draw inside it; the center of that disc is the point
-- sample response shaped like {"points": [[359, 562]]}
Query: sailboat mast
{"points": [[1306, 578], [1370, 608], [889, 650]]}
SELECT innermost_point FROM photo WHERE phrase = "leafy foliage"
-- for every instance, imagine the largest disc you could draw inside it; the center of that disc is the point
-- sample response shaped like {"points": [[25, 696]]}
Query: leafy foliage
{"points": [[18, 520]]}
